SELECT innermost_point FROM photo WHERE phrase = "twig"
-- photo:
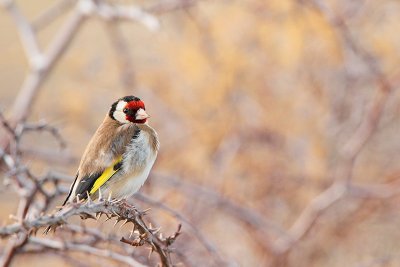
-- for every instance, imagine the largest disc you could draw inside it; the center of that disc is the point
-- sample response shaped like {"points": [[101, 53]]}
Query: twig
{"points": [[52, 13], [130, 13], [39, 72], [123, 55], [13, 244], [108, 254], [168, 6], [43, 126], [196, 232], [28, 37]]}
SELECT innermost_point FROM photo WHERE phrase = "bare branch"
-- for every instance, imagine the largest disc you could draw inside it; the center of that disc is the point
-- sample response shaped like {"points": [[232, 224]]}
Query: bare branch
{"points": [[123, 55], [37, 75], [13, 244], [27, 35], [196, 232], [168, 6], [52, 13], [131, 12], [108, 254]]}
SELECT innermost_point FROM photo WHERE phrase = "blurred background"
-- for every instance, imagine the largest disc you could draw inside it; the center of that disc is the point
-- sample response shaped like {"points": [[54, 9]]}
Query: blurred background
{"points": [[254, 102]]}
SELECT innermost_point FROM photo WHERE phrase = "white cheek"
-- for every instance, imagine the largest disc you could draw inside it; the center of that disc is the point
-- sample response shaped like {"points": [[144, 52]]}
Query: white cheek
{"points": [[120, 116], [120, 106]]}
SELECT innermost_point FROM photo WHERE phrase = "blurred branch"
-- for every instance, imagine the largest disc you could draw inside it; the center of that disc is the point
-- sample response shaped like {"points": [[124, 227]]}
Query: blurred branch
{"points": [[263, 230], [65, 245], [168, 6], [39, 71], [123, 55], [350, 150], [50, 156], [196, 232], [377, 191], [52, 13], [42, 127], [15, 243], [28, 37], [130, 13]]}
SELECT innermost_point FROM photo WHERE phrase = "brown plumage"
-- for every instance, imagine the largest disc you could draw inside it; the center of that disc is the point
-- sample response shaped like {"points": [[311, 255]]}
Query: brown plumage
{"points": [[137, 143], [111, 136], [119, 156]]}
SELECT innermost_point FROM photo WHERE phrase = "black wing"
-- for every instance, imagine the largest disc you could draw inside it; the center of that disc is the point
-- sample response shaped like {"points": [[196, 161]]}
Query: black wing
{"points": [[70, 189], [86, 184]]}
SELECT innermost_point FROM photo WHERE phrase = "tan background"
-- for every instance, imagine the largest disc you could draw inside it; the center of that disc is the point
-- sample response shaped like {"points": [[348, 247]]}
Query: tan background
{"points": [[252, 99]]}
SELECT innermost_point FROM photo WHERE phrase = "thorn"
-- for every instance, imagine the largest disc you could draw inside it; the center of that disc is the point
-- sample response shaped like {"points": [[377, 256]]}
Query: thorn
{"points": [[100, 195], [145, 211], [151, 252], [33, 231], [125, 222], [88, 197], [131, 232], [156, 230], [13, 217], [115, 200]]}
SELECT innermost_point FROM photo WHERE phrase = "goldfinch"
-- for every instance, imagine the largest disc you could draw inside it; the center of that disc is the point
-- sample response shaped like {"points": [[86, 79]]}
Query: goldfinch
{"points": [[120, 155]]}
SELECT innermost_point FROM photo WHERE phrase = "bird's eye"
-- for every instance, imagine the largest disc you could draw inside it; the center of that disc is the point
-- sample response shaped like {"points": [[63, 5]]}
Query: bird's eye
{"points": [[125, 110]]}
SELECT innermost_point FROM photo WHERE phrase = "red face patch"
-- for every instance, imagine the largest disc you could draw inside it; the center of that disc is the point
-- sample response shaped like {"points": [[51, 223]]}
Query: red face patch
{"points": [[135, 105]]}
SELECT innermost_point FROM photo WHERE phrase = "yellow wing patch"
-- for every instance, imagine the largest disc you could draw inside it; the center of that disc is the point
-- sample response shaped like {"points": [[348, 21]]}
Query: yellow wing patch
{"points": [[107, 174]]}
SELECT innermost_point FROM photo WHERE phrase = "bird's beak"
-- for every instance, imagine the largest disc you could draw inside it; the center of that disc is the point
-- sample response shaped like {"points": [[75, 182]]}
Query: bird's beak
{"points": [[141, 114]]}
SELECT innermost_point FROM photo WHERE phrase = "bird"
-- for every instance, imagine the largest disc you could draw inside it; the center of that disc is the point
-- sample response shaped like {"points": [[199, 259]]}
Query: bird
{"points": [[119, 156]]}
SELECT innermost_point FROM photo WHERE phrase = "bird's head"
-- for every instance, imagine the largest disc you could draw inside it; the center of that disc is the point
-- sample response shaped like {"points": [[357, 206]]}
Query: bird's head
{"points": [[128, 109]]}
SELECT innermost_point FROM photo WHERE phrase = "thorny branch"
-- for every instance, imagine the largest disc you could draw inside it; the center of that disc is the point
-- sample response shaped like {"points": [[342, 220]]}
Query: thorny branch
{"points": [[118, 209], [33, 191], [207, 244], [30, 213]]}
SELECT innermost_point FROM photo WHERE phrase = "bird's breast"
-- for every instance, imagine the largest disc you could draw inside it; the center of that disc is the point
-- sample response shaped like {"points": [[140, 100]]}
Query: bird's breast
{"points": [[138, 160], [139, 153]]}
